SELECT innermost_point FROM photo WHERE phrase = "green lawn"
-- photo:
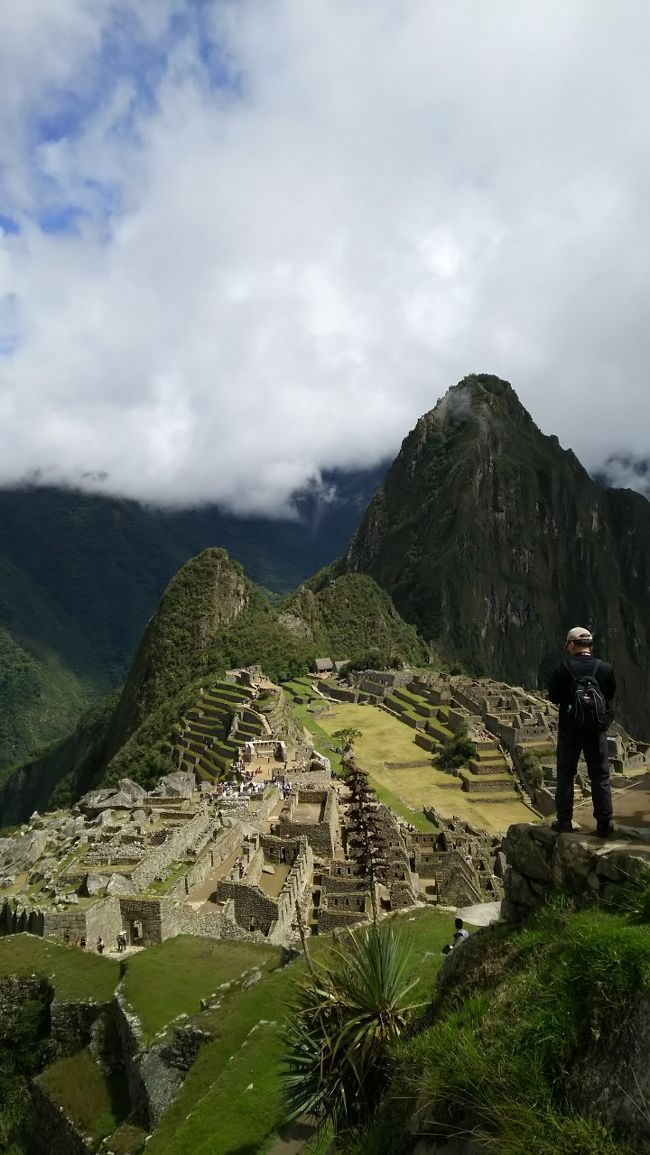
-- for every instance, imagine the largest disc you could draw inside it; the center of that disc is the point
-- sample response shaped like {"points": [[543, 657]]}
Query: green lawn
{"points": [[386, 739], [97, 1104], [76, 974], [323, 741], [171, 979]]}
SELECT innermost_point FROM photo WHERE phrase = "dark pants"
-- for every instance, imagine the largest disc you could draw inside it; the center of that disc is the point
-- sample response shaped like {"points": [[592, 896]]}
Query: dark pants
{"points": [[594, 748]]}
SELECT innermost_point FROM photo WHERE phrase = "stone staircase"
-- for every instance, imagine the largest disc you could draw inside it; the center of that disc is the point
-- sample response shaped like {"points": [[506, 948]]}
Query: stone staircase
{"points": [[489, 776]]}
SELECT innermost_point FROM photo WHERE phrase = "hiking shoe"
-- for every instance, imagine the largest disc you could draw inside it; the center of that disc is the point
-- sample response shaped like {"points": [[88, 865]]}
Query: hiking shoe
{"points": [[561, 827], [606, 830]]}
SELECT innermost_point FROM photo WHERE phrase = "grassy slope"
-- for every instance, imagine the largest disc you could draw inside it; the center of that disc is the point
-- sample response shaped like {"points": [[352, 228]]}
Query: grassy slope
{"points": [[213, 1107], [48, 670], [62, 771], [151, 985], [95, 1102], [323, 739], [502, 1058]]}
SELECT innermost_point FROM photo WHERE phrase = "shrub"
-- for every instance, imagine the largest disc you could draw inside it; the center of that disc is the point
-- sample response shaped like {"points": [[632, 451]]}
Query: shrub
{"points": [[456, 753]]}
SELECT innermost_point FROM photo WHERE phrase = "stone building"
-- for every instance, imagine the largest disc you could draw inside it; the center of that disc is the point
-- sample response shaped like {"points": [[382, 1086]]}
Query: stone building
{"points": [[312, 814]]}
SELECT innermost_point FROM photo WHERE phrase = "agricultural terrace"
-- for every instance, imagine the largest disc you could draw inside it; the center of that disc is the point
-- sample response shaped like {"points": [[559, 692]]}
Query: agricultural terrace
{"points": [[385, 739]]}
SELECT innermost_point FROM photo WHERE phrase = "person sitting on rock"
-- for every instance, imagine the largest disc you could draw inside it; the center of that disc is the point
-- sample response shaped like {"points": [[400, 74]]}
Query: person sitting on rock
{"points": [[583, 687]]}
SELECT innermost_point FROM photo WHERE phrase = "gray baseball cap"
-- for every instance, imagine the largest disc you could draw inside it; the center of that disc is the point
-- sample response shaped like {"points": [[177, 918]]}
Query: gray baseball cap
{"points": [[581, 635]]}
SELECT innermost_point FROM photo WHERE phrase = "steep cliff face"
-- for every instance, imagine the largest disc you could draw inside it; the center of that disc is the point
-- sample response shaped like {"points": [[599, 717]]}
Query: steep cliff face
{"points": [[493, 540]]}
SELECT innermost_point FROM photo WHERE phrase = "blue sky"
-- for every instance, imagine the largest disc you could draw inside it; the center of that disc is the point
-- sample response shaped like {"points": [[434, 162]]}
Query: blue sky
{"points": [[244, 241]]}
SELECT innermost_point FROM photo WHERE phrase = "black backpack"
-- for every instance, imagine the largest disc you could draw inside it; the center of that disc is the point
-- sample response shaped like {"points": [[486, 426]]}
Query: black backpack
{"points": [[586, 708]]}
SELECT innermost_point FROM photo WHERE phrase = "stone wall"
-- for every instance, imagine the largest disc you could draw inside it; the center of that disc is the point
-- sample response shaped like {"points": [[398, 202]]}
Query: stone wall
{"points": [[539, 861], [305, 779], [342, 877], [51, 1132], [15, 991], [104, 918], [191, 836], [458, 882], [148, 913], [163, 1068], [293, 891], [343, 910], [71, 1024], [60, 923], [338, 693], [277, 850], [323, 836], [252, 907], [131, 1036], [223, 846], [179, 918]]}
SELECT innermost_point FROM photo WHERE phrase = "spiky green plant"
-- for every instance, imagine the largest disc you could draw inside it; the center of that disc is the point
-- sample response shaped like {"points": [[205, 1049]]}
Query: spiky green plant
{"points": [[345, 1016]]}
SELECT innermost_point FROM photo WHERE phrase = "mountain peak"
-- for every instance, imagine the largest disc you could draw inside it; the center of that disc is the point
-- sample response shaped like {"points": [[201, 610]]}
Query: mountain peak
{"points": [[481, 398]]}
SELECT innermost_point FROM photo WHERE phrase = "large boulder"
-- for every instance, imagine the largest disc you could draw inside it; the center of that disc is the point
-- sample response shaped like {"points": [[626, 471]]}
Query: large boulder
{"points": [[177, 785], [118, 801], [35, 848], [132, 789], [120, 886], [92, 802], [95, 884]]}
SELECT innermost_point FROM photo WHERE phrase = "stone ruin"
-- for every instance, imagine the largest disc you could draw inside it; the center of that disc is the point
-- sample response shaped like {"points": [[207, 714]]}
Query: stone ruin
{"points": [[232, 860]]}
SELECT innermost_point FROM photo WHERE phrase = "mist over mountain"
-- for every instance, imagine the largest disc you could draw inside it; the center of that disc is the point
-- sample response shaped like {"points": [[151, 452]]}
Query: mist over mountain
{"points": [[625, 471]]}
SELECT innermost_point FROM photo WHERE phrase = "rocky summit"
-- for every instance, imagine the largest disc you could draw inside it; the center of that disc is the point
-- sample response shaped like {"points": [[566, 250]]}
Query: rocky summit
{"points": [[493, 540]]}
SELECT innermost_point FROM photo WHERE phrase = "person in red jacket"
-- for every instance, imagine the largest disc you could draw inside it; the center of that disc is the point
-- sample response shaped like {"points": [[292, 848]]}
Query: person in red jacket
{"points": [[583, 687]]}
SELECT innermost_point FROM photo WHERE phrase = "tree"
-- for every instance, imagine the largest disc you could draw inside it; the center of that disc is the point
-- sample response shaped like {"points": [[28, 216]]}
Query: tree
{"points": [[347, 737], [367, 842], [531, 770], [345, 1017], [456, 753]]}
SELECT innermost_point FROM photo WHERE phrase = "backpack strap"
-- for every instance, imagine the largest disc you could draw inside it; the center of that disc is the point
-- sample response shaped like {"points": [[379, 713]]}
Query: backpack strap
{"points": [[596, 663]]}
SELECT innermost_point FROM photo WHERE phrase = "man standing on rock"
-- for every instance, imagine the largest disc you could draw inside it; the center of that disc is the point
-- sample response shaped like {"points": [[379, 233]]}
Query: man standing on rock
{"points": [[584, 688]]}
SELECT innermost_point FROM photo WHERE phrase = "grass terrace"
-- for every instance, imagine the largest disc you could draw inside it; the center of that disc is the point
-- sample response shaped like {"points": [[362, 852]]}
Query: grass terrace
{"points": [[96, 1103], [76, 975], [171, 979], [385, 739]]}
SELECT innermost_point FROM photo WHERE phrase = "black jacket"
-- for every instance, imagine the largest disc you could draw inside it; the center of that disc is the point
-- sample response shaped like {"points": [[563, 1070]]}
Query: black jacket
{"points": [[561, 683]]}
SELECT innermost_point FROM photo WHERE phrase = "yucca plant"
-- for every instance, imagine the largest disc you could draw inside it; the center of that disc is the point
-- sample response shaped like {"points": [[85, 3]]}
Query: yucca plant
{"points": [[344, 1018]]}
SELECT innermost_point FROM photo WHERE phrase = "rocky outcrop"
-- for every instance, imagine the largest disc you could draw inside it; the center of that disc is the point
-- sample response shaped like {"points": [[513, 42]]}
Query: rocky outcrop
{"points": [[539, 861], [614, 1081]]}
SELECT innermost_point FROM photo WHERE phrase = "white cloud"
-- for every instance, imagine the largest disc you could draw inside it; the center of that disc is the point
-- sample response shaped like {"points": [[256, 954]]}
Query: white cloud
{"points": [[278, 274]]}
